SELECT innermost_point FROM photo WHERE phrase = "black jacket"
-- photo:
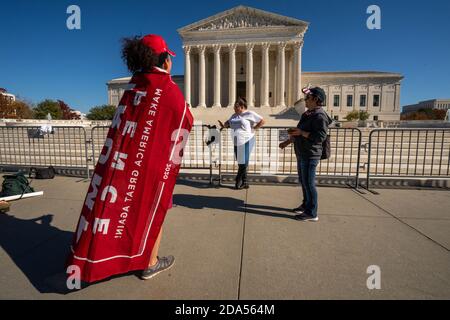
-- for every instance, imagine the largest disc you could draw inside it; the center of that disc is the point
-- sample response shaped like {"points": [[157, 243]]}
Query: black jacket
{"points": [[315, 122]]}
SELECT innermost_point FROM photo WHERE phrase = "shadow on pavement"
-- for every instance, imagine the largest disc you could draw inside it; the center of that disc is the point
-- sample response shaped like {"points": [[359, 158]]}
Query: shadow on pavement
{"points": [[201, 184], [38, 249], [230, 204]]}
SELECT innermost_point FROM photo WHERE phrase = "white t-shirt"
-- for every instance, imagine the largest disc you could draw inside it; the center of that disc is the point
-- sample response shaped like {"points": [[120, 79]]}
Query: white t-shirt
{"points": [[242, 126]]}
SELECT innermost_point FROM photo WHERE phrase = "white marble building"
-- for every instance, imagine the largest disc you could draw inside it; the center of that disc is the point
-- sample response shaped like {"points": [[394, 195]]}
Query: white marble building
{"points": [[7, 95], [257, 54]]}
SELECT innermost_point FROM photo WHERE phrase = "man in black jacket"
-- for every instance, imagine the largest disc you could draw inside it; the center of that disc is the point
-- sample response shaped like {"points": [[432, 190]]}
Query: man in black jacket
{"points": [[308, 139]]}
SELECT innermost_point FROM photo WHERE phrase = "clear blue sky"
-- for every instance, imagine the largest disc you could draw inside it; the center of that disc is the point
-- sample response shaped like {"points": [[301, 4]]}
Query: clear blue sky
{"points": [[40, 58]]}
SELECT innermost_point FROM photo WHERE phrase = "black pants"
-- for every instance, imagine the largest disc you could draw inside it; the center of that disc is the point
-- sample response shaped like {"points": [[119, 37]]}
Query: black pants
{"points": [[243, 157], [241, 177]]}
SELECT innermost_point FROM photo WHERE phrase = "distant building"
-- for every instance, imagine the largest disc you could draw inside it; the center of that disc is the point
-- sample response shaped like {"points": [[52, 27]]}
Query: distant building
{"points": [[9, 96], [442, 104], [80, 114]]}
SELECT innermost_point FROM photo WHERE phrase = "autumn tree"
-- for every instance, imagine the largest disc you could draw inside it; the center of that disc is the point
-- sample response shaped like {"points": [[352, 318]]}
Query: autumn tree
{"points": [[48, 106], [105, 112], [67, 112], [14, 109]]}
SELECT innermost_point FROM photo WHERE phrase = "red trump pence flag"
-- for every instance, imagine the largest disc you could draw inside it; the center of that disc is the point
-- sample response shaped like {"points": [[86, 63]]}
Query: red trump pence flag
{"points": [[131, 189]]}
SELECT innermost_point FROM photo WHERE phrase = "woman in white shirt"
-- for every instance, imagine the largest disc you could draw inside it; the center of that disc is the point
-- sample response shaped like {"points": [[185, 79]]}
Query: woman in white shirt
{"points": [[243, 123]]}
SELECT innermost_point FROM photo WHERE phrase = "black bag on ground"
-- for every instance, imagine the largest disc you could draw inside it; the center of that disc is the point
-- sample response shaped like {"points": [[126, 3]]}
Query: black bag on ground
{"points": [[42, 173], [15, 184], [326, 148]]}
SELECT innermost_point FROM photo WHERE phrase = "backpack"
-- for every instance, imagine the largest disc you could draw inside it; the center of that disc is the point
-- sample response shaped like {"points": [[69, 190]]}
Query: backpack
{"points": [[42, 173], [326, 148], [326, 145], [15, 184]]}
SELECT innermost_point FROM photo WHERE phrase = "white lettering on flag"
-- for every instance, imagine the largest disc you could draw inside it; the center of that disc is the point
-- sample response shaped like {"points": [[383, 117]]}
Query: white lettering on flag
{"points": [[82, 227], [112, 191], [95, 183], [179, 144], [130, 127], [103, 158], [101, 225], [138, 97], [118, 163], [116, 120]]}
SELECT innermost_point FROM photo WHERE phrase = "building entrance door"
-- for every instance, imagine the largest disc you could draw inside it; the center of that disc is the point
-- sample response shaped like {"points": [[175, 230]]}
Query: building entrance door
{"points": [[241, 89]]}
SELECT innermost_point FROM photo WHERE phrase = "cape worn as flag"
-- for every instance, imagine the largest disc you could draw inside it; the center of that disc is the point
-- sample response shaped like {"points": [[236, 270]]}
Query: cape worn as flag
{"points": [[131, 189]]}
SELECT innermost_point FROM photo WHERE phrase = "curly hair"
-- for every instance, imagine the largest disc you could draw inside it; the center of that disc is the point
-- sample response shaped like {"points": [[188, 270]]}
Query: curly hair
{"points": [[139, 57]]}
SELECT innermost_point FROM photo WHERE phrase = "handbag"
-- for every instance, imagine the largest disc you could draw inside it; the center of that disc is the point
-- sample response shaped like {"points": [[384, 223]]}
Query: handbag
{"points": [[42, 173]]}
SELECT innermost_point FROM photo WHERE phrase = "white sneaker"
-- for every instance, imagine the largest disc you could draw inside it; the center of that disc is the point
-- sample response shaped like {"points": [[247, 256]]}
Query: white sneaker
{"points": [[306, 217]]}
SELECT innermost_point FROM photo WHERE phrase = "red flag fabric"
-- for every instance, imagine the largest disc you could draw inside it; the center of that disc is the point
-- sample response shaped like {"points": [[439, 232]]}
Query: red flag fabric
{"points": [[133, 181]]}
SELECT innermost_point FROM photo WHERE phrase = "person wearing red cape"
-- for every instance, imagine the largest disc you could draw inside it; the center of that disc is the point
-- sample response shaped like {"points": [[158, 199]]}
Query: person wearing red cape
{"points": [[120, 226]]}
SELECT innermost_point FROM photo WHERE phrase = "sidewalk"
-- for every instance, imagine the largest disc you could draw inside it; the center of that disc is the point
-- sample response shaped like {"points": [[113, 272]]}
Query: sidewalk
{"points": [[245, 245]]}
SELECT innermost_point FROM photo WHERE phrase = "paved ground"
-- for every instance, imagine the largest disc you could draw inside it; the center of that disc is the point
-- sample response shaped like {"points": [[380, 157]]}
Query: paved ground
{"points": [[245, 245]]}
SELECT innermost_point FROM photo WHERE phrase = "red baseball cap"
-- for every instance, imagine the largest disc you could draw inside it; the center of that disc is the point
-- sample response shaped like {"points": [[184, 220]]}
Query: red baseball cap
{"points": [[157, 44]]}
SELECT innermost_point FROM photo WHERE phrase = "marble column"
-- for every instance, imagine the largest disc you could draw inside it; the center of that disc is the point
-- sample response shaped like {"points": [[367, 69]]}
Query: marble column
{"points": [[298, 70], [249, 78], [217, 78], [202, 78], [265, 75], [290, 84], [282, 74], [232, 76], [397, 98], [187, 74]]}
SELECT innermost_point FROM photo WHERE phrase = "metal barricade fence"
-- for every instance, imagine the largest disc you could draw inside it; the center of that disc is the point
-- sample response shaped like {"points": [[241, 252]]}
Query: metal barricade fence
{"points": [[98, 137], [268, 158], [28, 146], [390, 152], [408, 153]]}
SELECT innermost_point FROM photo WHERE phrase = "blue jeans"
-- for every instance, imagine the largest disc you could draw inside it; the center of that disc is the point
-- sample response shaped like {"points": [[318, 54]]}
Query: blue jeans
{"points": [[299, 171], [242, 154], [308, 173]]}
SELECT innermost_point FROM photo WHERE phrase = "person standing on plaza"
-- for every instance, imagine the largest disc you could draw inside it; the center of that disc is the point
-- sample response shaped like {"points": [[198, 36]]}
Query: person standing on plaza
{"points": [[120, 226], [243, 124], [308, 138]]}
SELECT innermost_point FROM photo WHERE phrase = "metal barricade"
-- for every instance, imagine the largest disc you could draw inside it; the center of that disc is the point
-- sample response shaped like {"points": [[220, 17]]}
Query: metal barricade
{"points": [[408, 153], [269, 159], [196, 154], [28, 146], [98, 137]]}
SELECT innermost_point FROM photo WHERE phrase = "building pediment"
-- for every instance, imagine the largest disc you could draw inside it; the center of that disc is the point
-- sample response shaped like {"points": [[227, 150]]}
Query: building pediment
{"points": [[243, 18]]}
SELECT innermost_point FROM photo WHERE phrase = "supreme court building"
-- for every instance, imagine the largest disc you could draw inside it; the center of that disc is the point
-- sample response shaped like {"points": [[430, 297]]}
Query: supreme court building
{"points": [[258, 55]]}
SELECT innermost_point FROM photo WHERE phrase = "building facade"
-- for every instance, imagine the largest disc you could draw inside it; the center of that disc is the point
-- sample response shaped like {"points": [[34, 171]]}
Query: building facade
{"points": [[442, 104], [258, 55], [7, 95]]}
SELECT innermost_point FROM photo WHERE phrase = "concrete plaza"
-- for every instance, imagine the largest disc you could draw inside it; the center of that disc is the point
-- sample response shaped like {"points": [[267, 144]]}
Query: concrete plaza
{"points": [[245, 244]]}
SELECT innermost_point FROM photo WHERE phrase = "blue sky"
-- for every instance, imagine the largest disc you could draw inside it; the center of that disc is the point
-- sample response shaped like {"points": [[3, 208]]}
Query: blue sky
{"points": [[40, 58]]}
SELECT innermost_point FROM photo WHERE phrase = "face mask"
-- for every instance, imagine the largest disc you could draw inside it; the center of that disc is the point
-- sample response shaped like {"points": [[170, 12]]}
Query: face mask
{"points": [[300, 106]]}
